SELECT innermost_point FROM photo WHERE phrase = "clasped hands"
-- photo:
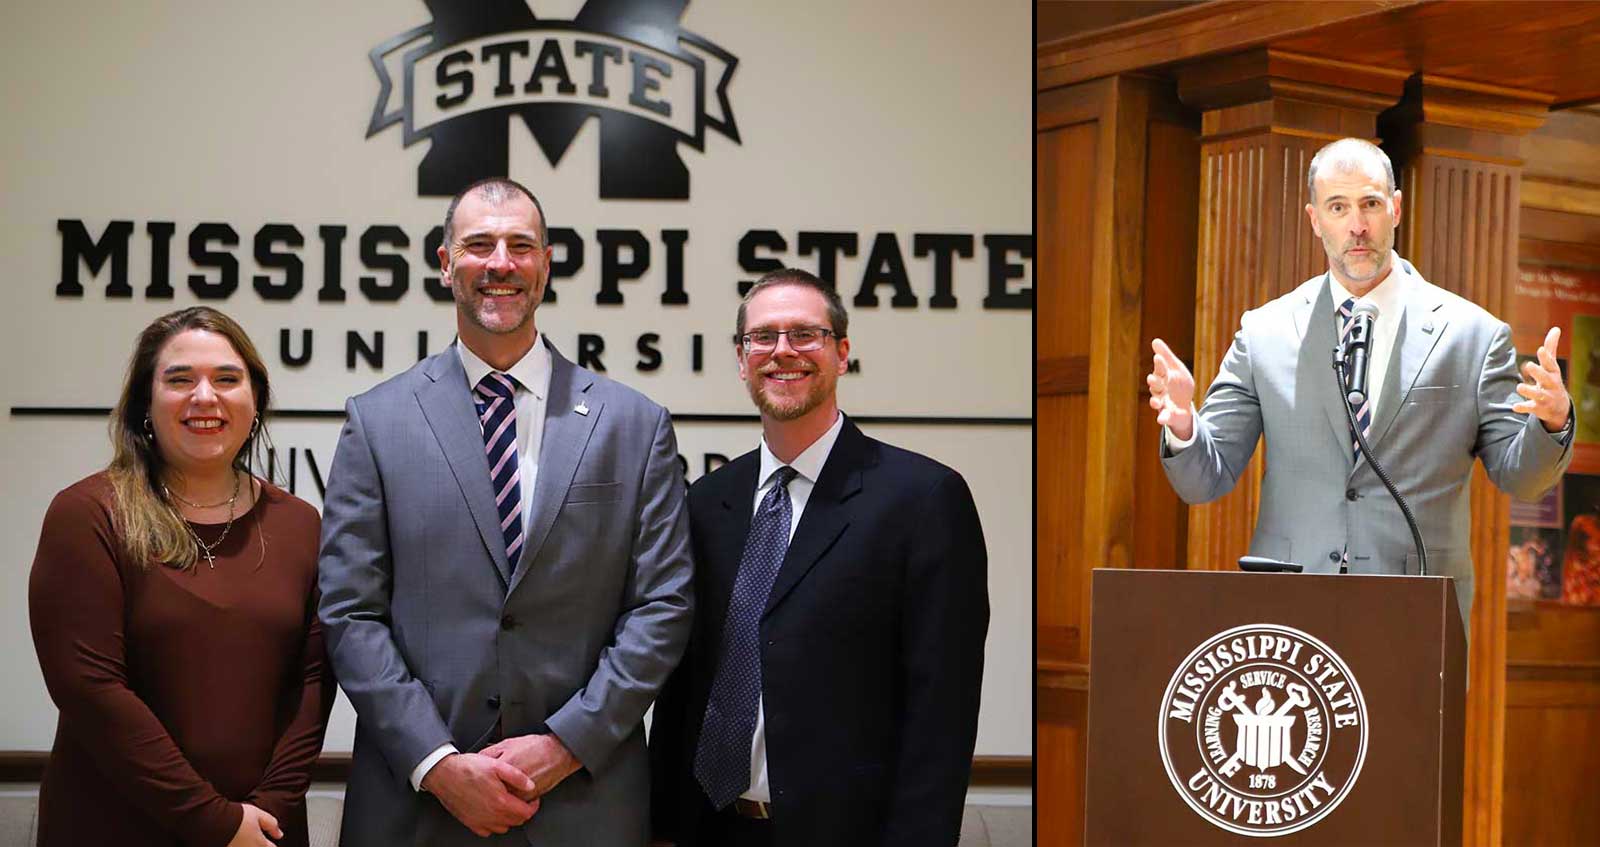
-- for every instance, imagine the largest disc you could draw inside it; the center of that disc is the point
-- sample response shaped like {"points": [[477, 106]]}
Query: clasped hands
{"points": [[1545, 396], [492, 791]]}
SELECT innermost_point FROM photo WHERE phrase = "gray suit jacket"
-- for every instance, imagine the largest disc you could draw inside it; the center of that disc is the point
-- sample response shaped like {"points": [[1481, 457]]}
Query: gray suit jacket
{"points": [[1446, 401], [437, 638]]}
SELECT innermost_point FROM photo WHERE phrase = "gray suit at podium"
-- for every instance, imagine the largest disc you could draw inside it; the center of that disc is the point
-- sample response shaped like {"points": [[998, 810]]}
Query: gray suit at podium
{"points": [[1446, 400]]}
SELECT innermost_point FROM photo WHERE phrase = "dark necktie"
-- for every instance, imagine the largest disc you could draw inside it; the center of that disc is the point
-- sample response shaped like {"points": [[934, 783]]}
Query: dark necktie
{"points": [[497, 415], [1363, 414], [722, 759]]}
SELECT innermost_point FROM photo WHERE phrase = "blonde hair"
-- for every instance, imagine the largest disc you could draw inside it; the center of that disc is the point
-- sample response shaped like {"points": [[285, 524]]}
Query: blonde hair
{"points": [[149, 528]]}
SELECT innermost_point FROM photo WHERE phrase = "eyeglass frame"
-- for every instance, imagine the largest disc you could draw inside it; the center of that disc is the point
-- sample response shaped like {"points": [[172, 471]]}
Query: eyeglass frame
{"points": [[746, 343]]}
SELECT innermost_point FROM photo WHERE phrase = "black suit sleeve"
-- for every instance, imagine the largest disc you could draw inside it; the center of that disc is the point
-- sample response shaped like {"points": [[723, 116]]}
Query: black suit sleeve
{"points": [[945, 620]]}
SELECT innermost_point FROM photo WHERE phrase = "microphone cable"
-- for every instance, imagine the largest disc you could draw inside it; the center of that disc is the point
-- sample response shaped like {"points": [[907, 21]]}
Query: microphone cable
{"points": [[1366, 450]]}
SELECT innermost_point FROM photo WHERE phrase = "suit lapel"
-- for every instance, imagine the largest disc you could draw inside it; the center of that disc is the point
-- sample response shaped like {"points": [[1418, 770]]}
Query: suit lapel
{"points": [[826, 514], [727, 551], [447, 406], [1423, 326], [566, 436], [1315, 321]]}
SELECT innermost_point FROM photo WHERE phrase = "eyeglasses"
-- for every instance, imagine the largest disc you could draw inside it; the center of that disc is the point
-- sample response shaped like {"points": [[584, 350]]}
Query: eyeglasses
{"points": [[801, 339]]}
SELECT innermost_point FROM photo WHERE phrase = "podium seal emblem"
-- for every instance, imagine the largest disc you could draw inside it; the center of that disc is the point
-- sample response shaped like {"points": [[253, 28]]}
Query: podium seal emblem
{"points": [[1263, 730]]}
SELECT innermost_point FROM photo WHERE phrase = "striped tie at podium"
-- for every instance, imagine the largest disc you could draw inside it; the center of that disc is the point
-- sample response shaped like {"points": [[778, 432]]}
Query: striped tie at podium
{"points": [[1363, 414], [497, 415]]}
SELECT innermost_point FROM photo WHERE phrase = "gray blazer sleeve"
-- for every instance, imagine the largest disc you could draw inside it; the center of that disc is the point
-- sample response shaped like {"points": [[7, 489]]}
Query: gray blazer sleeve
{"points": [[355, 573], [1521, 457], [653, 629], [1227, 429]]}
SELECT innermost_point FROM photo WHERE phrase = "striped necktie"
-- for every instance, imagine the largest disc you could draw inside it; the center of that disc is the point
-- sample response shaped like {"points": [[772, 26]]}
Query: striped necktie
{"points": [[1364, 413], [497, 415]]}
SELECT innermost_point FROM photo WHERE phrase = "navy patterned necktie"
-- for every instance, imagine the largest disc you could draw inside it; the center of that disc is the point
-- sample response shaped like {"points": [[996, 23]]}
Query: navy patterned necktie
{"points": [[497, 415], [1363, 414], [722, 759]]}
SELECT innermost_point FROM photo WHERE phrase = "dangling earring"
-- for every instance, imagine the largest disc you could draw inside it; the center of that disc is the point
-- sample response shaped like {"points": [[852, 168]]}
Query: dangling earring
{"points": [[149, 434], [255, 426]]}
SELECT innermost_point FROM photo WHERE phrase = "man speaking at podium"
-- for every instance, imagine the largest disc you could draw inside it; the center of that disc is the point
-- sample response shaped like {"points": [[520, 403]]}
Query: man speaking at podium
{"points": [[1441, 390]]}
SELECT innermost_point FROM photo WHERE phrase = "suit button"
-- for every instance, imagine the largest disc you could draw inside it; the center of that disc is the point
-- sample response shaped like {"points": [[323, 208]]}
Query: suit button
{"points": [[508, 623], [1350, 494], [1333, 556], [494, 702]]}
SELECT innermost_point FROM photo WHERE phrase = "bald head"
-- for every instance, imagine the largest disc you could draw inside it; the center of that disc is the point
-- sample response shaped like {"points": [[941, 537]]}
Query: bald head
{"points": [[1350, 155]]}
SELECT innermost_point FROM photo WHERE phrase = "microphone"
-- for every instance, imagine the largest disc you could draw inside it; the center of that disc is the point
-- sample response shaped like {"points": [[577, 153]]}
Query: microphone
{"points": [[1358, 347], [1350, 372], [1261, 564]]}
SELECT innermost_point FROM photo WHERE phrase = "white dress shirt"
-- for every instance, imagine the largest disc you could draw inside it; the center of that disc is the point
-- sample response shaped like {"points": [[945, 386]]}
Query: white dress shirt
{"points": [[1390, 298], [532, 375], [807, 466]]}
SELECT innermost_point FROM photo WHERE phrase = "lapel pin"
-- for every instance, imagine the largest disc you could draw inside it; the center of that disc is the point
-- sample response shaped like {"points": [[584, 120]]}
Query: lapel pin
{"points": [[582, 409], [1427, 326]]}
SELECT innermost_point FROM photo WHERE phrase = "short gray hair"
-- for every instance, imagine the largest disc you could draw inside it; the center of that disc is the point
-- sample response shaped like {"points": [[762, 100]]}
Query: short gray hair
{"points": [[1348, 154], [495, 189]]}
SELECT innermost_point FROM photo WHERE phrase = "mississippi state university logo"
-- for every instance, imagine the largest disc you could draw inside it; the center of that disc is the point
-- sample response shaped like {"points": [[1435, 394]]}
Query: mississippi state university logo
{"points": [[651, 84], [1263, 730]]}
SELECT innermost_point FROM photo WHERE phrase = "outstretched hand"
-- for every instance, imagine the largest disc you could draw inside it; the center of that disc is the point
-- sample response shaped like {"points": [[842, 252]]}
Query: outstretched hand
{"points": [[1545, 396], [1171, 391]]}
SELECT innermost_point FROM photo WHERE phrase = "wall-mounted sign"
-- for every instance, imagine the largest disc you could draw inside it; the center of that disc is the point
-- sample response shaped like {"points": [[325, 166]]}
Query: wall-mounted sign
{"points": [[653, 85]]}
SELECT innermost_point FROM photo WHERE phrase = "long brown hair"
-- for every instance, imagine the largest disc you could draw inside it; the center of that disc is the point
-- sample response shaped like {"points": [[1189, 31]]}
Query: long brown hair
{"points": [[150, 528]]}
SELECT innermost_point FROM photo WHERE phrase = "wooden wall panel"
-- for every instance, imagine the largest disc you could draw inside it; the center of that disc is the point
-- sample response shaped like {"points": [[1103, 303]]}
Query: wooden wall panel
{"points": [[1064, 208], [1063, 706], [1171, 235], [1552, 761], [1061, 587], [1067, 151], [1116, 176], [1115, 302]]}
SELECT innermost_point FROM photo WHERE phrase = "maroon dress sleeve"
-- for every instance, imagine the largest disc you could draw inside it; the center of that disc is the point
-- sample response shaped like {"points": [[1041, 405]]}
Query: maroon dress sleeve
{"points": [[76, 610], [283, 786]]}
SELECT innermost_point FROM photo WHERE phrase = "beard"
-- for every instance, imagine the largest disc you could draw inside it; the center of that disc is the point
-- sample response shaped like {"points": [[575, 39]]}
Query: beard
{"points": [[500, 318], [788, 407], [1362, 269]]}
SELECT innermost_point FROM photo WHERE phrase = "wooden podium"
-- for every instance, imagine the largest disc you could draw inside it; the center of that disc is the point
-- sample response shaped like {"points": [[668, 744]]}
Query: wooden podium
{"points": [[1227, 707]]}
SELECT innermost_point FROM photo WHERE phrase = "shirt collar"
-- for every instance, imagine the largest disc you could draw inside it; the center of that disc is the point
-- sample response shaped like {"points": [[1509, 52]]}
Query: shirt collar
{"points": [[1386, 295], [532, 371], [810, 461]]}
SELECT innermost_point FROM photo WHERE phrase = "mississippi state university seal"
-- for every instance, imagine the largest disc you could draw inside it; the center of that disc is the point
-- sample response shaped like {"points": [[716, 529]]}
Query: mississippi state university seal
{"points": [[1263, 730]]}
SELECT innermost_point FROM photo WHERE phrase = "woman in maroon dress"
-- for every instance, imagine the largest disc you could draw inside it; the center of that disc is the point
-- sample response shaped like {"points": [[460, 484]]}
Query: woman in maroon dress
{"points": [[173, 608]]}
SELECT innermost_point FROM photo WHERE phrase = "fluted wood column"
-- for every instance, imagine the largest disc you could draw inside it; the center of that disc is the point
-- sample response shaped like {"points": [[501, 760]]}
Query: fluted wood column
{"points": [[1265, 114], [1457, 152]]}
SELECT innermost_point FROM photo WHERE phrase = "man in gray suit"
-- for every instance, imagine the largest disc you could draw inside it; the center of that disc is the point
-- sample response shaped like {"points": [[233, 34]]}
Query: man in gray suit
{"points": [[1443, 392], [505, 570]]}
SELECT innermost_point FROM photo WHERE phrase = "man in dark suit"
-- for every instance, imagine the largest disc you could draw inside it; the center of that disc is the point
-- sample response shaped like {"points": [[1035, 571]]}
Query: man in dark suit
{"points": [[829, 695]]}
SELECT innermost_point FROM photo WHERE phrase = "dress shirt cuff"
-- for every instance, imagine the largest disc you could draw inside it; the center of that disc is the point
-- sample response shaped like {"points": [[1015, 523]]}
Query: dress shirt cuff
{"points": [[422, 768], [1174, 444], [1563, 436]]}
